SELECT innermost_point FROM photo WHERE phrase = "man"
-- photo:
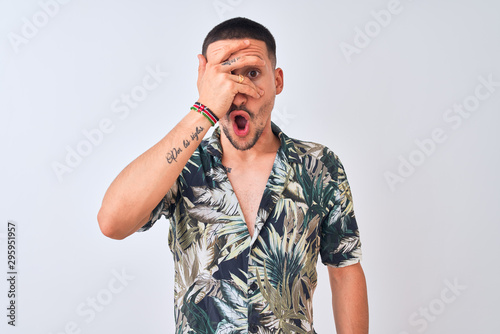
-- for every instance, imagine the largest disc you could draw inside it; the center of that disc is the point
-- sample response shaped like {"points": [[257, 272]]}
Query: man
{"points": [[250, 209]]}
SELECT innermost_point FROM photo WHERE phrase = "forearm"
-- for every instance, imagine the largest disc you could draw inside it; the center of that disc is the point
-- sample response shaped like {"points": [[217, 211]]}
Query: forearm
{"points": [[136, 191], [349, 299]]}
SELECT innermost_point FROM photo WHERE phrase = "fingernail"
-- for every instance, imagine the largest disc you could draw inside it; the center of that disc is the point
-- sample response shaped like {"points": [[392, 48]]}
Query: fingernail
{"points": [[247, 41]]}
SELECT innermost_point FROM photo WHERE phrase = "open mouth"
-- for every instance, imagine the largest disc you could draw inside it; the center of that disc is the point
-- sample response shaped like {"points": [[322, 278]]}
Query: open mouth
{"points": [[241, 122]]}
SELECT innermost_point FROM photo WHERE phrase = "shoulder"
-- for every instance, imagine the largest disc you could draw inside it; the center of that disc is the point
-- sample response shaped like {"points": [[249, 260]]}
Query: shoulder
{"points": [[311, 152]]}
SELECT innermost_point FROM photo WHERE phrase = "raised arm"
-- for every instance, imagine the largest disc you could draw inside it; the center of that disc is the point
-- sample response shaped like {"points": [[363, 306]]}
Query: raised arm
{"points": [[137, 190], [349, 299]]}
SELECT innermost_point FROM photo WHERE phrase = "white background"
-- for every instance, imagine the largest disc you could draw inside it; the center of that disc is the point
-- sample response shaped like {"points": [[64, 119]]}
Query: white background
{"points": [[438, 225]]}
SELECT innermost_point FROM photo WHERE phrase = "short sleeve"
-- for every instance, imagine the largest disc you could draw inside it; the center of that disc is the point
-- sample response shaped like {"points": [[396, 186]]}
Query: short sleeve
{"points": [[165, 208], [340, 244]]}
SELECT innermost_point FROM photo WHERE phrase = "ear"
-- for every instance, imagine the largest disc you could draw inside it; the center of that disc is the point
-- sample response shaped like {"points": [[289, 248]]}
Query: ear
{"points": [[278, 80]]}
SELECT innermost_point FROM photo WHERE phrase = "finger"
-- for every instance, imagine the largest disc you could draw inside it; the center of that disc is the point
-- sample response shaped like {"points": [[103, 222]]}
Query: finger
{"points": [[238, 78], [248, 89], [240, 62], [246, 86], [226, 49], [202, 65]]}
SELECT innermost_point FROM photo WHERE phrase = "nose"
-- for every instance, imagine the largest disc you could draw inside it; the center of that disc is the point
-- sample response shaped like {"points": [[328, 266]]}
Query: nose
{"points": [[240, 99]]}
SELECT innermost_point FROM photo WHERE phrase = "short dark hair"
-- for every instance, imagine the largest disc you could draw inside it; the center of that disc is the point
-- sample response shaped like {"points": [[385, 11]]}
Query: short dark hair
{"points": [[239, 28]]}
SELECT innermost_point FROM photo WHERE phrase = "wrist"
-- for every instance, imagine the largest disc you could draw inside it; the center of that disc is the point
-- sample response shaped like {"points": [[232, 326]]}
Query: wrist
{"points": [[206, 112]]}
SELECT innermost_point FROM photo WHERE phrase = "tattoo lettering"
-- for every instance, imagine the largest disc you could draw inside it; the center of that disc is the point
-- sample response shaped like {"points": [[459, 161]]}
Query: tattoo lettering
{"points": [[172, 155], [194, 135], [230, 61], [228, 169]]}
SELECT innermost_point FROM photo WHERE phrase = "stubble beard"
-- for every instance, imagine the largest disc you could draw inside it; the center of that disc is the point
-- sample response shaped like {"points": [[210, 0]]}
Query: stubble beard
{"points": [[242, 146], [246, 145]]}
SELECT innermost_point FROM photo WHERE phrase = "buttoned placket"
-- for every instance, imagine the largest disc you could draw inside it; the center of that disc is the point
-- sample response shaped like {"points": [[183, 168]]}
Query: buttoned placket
{"points": [[253, 316]]}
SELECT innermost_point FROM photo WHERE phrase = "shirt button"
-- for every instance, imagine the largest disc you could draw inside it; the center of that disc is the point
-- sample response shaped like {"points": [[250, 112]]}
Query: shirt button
{"points": [[253, 287], [253, 328]]}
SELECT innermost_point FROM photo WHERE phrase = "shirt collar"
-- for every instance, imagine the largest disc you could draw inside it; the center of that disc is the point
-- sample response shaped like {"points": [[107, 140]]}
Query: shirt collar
{"points": [[214, 146]]}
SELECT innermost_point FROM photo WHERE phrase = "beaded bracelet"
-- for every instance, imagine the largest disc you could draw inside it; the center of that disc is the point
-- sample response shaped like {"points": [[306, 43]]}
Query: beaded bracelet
{"points": [[202, 109]]}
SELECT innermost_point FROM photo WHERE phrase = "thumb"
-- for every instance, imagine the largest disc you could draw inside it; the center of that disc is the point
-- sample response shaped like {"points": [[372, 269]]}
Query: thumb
{"points": [[202, 63]]}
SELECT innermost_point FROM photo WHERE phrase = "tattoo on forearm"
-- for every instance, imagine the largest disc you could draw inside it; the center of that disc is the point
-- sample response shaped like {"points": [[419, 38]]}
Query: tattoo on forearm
{"points": [[228, 169], [174, 153], [230, 61], [194, 135]]}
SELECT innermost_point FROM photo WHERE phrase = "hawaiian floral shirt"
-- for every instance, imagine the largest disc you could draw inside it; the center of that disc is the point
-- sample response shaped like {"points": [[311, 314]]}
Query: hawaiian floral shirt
{"points": [[228, 282]]}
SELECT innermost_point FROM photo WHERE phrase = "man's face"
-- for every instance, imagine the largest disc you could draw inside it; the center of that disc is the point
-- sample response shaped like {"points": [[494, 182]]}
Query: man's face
{"points": [[248, 117]]}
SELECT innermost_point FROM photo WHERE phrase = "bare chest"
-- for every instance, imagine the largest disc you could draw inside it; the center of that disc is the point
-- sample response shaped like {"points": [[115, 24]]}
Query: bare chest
{"points": [[248, 185]]}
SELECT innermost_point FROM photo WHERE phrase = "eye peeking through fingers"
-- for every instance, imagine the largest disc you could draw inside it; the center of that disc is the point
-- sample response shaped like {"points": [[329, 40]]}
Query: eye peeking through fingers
{"points": [[253, 74]]}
